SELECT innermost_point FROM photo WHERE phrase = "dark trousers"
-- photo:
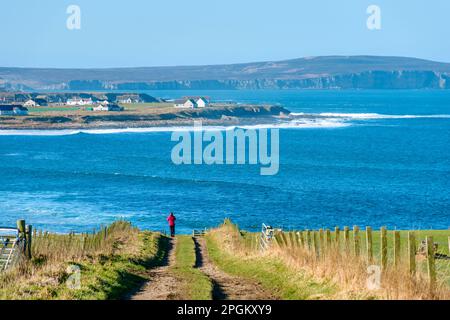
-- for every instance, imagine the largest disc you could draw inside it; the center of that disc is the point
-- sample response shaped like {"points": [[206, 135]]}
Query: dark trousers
{"points": [[172, 231]]}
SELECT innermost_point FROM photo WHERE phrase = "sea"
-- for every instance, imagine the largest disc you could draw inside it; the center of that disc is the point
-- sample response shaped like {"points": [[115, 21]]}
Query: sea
{"points": [[366, 158]]}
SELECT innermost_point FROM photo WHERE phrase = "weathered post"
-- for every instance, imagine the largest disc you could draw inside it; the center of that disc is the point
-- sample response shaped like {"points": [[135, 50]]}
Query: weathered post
{"points": [[308, 239], [412, 252], [302, 239], [283, 236], [328, 237], [356, 240], [292, 239], [277, 238], [316, 244], [29, 239], [337, 238], [321, 243], [396, 248], [369, 245], [347, 239], [383, 233], [21, 228], [431, 263]]}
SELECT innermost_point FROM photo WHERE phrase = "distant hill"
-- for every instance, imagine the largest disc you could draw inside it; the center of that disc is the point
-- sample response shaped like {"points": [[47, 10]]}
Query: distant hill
{"points": [[332, 72]]}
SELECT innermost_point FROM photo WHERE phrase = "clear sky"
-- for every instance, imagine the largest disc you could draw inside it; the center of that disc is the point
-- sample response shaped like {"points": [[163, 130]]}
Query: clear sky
{"points": [[122, 33]]}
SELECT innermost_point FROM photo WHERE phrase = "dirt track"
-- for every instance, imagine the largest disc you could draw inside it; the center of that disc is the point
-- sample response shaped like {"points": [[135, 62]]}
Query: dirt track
{"points": [[225, 286], [162, 284]]}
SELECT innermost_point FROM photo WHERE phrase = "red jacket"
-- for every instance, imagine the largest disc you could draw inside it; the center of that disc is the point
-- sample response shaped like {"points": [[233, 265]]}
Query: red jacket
{"points": [[171, 220]]}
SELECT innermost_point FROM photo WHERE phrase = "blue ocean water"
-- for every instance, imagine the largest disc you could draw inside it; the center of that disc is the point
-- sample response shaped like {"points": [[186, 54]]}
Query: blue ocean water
{"points": [[373, 158]]}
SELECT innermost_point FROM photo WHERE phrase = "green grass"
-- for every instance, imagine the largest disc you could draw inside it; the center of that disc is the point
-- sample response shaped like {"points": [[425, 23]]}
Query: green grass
{"points": [[274, 275], [197, 286], [144, 106], [52, 109]]}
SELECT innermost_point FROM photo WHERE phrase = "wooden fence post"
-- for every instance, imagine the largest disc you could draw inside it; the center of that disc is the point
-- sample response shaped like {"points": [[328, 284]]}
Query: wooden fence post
{"points": [[284, 238], [356, 240], [431, 263], [347, 239], [383, 247], [21, 227], [308, 239], [292, 239], [321, 243], [328, 237], [396, 248], [302, 239], [316, 244], [412, 252], [337, 238], [369, 245], [277, 238], [29, 239]]}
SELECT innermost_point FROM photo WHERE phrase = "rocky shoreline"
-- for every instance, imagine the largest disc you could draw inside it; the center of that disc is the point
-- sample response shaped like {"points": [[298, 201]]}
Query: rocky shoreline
{"points": [[228, 115]]}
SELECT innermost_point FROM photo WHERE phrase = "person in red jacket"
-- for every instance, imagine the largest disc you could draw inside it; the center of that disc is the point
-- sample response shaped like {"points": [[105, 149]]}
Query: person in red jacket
{"points": [[171, 218]]}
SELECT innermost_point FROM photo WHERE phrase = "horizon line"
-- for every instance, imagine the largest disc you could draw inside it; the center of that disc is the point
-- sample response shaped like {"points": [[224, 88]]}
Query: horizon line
{"points": [[227, 64]]}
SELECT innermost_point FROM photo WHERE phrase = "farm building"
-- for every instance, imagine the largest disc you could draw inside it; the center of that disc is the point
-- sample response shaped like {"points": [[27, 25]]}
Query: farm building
{"points": [[79, 102], [13, 110], [108, 107], [30, 103], [127, 99], [202, 102], [185, 103]]}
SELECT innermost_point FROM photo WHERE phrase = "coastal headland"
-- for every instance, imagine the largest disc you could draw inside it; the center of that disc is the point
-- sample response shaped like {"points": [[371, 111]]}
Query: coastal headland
{"points": [[61, 111]]}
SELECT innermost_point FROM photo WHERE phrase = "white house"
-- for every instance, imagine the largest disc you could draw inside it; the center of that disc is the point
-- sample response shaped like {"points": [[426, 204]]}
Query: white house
{"points": [[185, 103], [101, 107], [199, 102], [202, 102], [30, 103], [108, 107], [79, 102]]}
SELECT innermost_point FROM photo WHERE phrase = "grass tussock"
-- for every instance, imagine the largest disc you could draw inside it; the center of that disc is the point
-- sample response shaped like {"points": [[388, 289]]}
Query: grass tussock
{"points": [[102, 265]]}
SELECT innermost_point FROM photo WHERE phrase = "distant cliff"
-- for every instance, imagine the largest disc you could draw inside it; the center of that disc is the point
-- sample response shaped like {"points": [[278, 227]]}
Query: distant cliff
{"points": [[331, 72]]}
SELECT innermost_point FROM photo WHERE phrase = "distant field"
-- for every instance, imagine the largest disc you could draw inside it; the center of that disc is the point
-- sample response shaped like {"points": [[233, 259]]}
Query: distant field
{"points": [[82, 110]]}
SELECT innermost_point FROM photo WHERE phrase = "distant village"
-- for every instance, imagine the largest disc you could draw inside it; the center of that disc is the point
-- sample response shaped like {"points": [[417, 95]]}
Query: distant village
{"points": [[19, 103]]}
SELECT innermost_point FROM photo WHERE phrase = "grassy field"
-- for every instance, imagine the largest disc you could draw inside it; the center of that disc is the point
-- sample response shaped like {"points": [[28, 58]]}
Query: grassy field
{"points": [[225, 250], [343, 274], [196, 286], [110, 263]]}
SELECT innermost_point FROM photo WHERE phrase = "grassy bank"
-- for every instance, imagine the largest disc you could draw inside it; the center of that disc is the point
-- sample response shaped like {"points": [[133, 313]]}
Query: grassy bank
{"points": [[226, 250], [335, 274], [108, 264], [196, 286]]}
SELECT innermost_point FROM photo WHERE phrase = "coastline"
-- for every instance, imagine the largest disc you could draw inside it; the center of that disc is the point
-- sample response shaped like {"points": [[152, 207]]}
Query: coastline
{"points": [[151, 118]]}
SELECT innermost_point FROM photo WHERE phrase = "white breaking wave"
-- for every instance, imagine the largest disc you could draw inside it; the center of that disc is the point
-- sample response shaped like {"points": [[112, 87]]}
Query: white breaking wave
{"points": [[371, 115], [299, 121], [292, 124]]}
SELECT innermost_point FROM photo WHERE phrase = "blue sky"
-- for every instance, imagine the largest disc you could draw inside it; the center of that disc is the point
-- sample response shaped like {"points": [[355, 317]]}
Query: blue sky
{"points": [[121, 33]]}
